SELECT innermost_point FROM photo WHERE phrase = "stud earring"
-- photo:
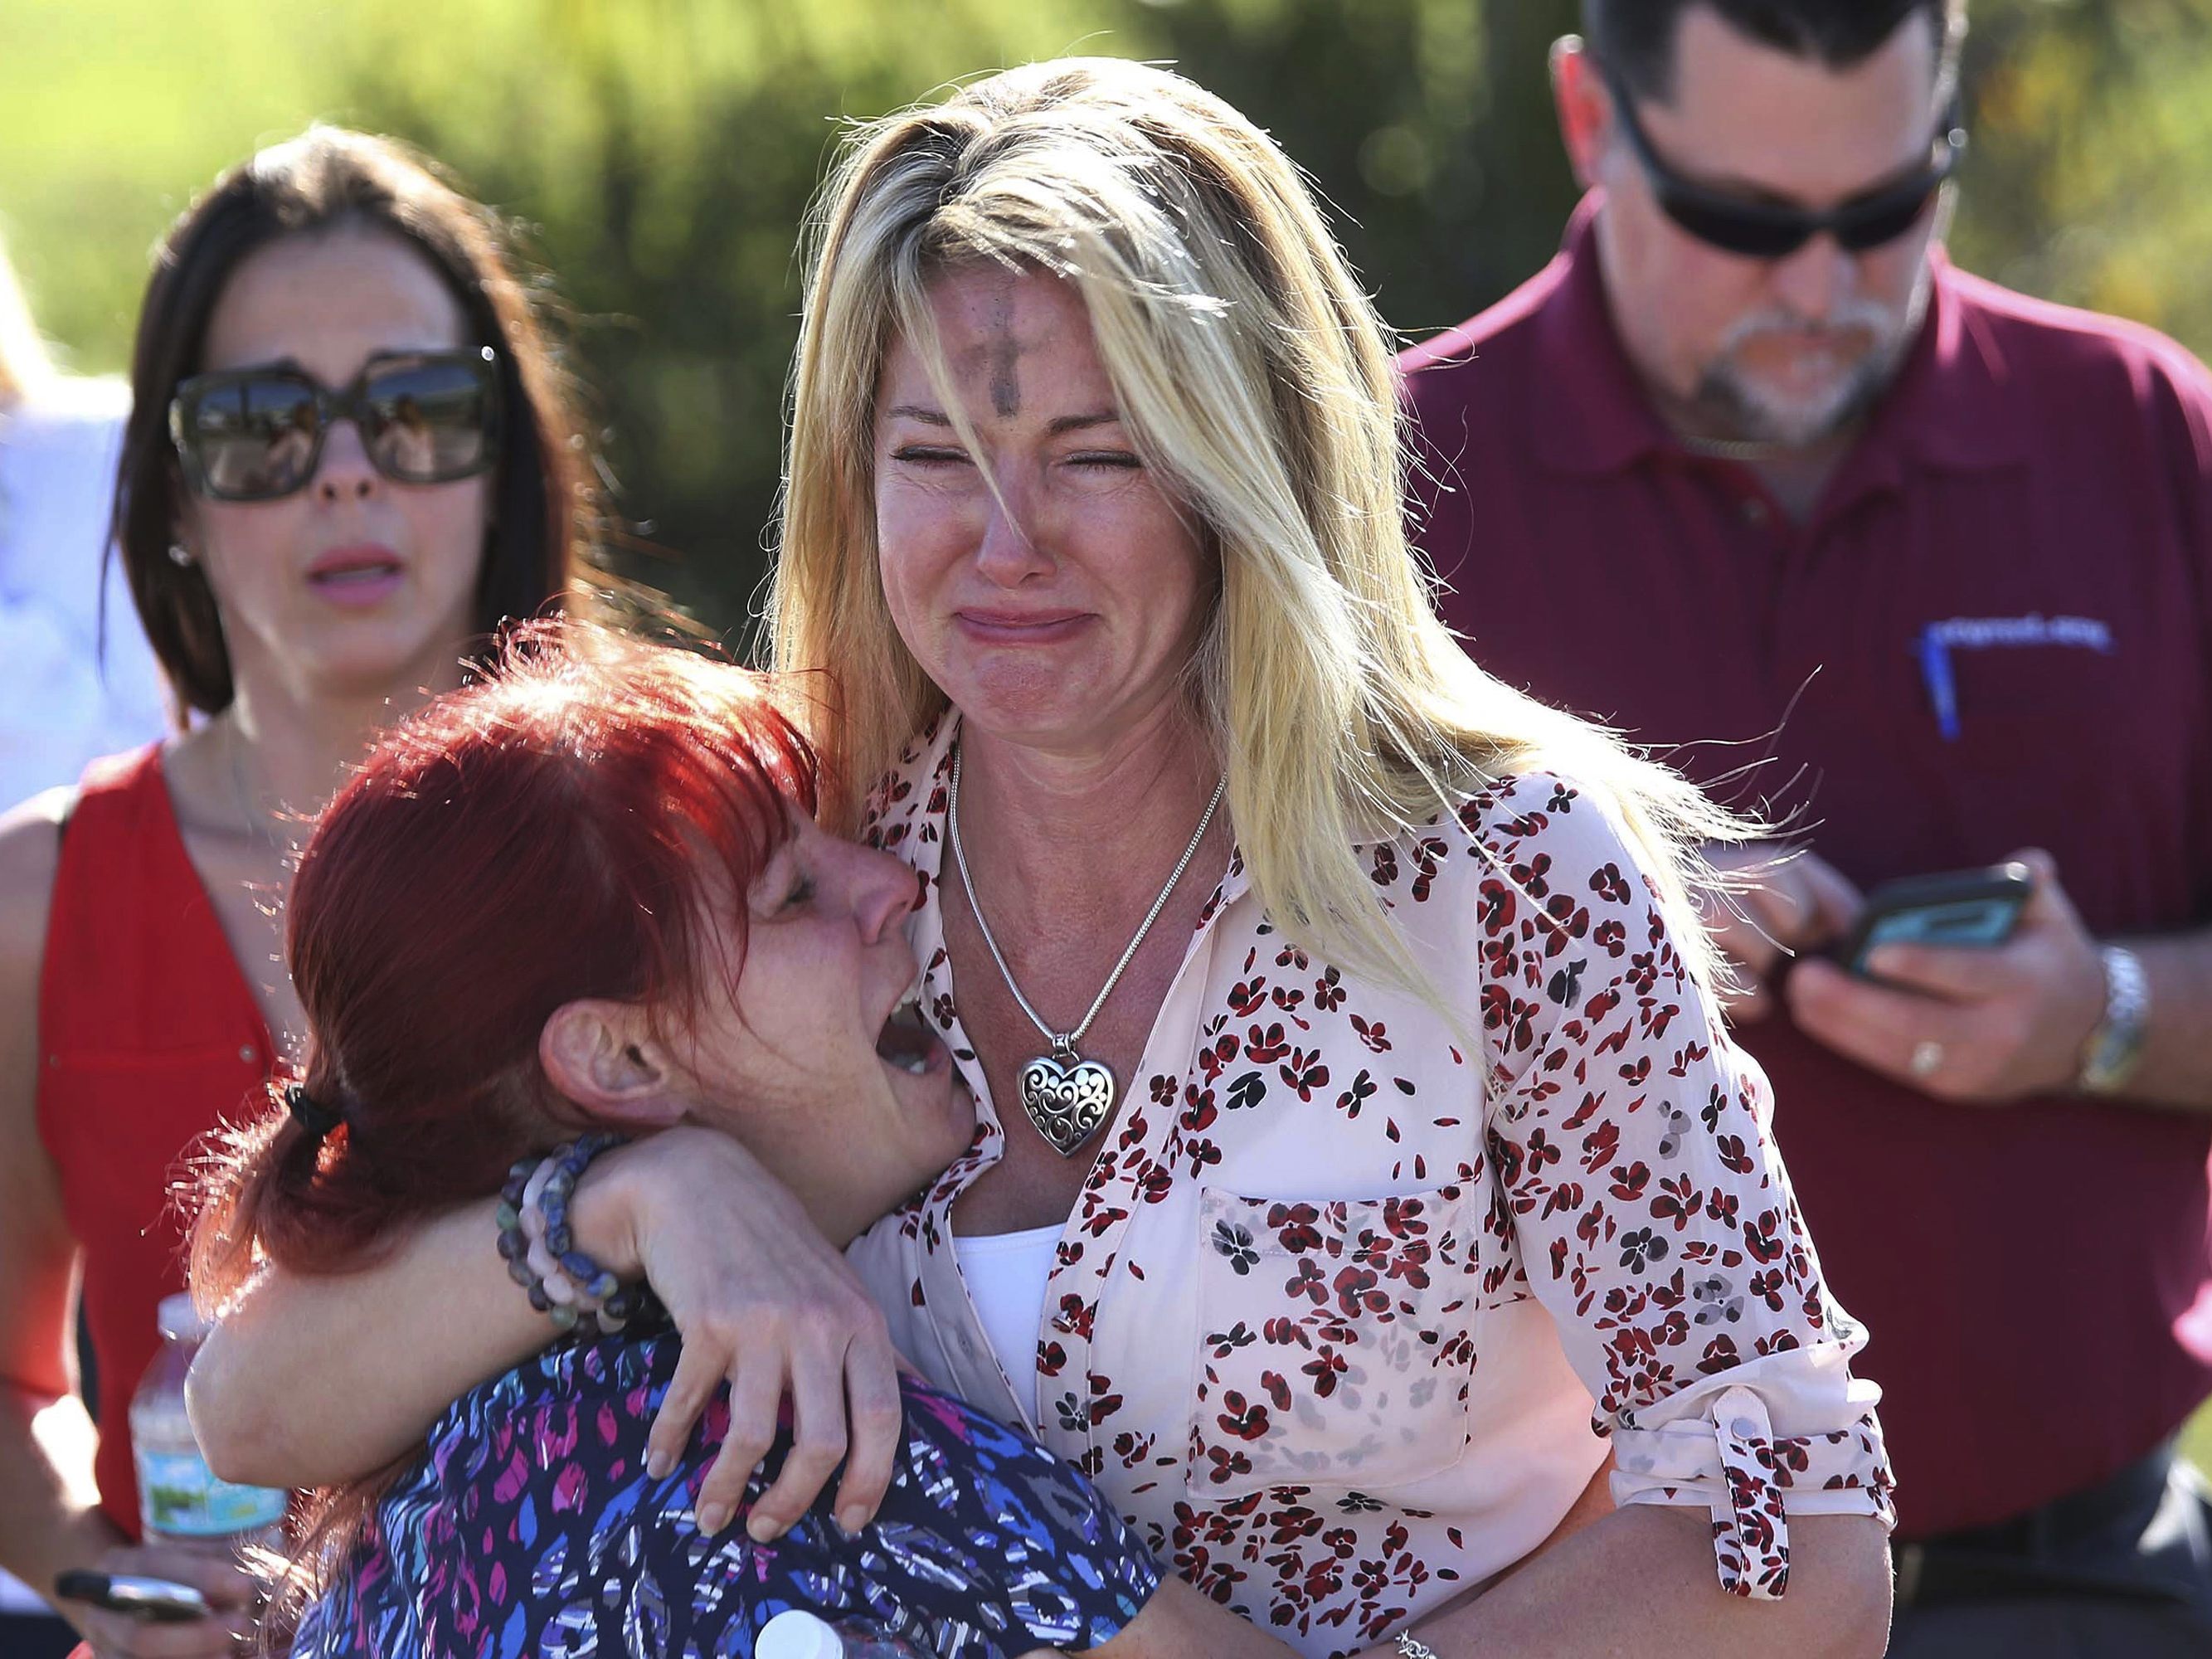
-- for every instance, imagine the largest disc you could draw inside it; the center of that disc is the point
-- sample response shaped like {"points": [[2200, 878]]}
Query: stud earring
{"points": [[180, 556]]}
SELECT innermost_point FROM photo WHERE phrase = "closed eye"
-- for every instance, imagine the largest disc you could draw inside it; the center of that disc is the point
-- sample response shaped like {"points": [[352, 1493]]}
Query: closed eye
{"points": [[784, 885], [927, 455], [1120, 459]]}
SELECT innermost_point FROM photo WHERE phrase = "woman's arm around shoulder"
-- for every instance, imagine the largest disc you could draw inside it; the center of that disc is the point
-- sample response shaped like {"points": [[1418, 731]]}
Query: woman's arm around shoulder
{"points": [[313, 1380], [316, 1379]]}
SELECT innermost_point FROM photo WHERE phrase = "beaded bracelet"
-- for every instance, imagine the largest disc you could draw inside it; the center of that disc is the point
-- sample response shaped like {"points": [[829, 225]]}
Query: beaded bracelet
{"points": [[535, 1241]]}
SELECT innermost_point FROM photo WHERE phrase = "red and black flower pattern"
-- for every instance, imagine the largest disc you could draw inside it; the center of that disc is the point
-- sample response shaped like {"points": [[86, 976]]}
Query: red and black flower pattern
{"points": [[1362, 1284]]}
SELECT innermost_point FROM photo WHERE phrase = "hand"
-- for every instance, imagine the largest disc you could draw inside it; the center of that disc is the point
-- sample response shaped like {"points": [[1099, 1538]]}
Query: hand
{"points": [[2005, 1021], [760, 1298], [229, 1591], [1789, 904]]}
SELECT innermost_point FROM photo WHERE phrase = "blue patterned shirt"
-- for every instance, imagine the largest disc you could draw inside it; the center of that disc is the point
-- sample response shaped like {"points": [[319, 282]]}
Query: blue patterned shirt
{"points": [[530, 1527]]}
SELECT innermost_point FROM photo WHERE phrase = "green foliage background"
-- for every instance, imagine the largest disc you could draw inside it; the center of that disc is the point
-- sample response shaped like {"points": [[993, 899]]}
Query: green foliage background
{"points": [[662, 150]]}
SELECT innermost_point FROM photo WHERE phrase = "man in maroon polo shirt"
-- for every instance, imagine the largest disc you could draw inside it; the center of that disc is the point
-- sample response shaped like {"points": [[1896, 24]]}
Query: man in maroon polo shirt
{"points": [[1922, 570]]}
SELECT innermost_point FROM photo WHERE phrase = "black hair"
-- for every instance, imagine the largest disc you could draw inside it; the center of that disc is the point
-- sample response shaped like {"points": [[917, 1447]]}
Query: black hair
{"points": [[1634, 40], [328, 177]]}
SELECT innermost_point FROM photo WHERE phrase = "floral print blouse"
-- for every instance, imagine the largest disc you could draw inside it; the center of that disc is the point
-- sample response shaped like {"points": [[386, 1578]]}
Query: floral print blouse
{"points": [[1357, 1296]]}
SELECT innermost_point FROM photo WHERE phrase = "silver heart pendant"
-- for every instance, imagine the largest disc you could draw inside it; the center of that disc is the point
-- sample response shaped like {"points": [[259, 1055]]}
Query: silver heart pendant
{"points": [[1067, 1103]]}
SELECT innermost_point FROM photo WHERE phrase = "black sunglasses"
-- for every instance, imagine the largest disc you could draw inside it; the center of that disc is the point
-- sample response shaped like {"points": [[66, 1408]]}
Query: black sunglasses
{"points": [[253, 435], [1767, 230]]}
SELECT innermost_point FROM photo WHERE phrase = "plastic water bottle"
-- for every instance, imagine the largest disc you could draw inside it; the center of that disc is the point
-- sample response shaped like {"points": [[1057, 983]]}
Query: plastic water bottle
{"points": [[801, 1635], [179, 1500]]}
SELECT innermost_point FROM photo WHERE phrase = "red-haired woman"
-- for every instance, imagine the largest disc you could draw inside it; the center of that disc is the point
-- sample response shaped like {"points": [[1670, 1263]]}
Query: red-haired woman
{"points": [[350, 454], [585, 895]]}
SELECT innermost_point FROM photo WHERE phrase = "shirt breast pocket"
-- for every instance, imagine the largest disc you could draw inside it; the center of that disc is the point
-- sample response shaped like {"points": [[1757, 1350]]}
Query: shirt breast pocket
{"points": [[1334, 1340]]}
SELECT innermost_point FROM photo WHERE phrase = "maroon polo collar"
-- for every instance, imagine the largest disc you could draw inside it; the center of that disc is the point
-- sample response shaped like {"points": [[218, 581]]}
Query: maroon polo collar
{"points": [[1954, 404]]}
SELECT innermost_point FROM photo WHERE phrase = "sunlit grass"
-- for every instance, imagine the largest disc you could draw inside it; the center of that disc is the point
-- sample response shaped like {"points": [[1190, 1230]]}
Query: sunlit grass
{"points": [[113, 114]]}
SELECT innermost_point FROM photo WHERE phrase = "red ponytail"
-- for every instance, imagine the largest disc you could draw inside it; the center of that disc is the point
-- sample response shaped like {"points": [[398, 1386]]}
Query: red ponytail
{"points": [[552, 832]]}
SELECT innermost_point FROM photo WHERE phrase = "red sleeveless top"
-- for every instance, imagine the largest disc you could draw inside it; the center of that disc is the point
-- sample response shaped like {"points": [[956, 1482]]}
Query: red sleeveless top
{"points": [[150, 1038]]}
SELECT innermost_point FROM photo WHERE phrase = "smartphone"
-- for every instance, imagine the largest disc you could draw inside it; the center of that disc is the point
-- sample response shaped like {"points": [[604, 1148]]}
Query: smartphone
{"points": [[156, 1600], [1959, 907]]}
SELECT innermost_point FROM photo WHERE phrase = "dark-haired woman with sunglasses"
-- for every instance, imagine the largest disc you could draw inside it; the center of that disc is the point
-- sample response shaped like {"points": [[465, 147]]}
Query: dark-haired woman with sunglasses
{"points": [[351, 456]]}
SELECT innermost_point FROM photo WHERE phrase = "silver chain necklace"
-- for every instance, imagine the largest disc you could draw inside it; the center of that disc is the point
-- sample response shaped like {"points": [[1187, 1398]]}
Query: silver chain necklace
{"points": [[1065, 1096], [250, 811]]}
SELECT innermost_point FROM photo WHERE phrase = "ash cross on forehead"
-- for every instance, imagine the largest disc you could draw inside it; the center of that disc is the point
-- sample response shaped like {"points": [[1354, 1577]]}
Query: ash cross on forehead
{"points": [[1006, 355]]}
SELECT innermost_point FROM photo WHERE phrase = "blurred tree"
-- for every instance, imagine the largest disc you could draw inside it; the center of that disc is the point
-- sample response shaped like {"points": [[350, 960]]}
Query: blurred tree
{"points": [[664, 150], [2093, 134], [113, 113]]}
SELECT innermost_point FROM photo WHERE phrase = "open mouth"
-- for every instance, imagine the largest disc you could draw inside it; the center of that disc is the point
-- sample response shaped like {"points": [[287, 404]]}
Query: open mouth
{"points": [[906, 1040]]}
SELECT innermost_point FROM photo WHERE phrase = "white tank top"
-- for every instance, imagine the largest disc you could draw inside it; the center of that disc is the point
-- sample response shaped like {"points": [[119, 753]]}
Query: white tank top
{"points": [[1006, 1273]]}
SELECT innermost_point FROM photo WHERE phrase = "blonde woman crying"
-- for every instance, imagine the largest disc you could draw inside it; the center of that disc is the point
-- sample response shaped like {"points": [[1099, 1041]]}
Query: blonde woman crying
{"points": [[1359, 1156]]}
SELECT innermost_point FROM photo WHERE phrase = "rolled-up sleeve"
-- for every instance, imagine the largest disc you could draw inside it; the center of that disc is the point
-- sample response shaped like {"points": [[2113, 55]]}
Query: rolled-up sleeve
{"points": [[1650, 1207]]}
